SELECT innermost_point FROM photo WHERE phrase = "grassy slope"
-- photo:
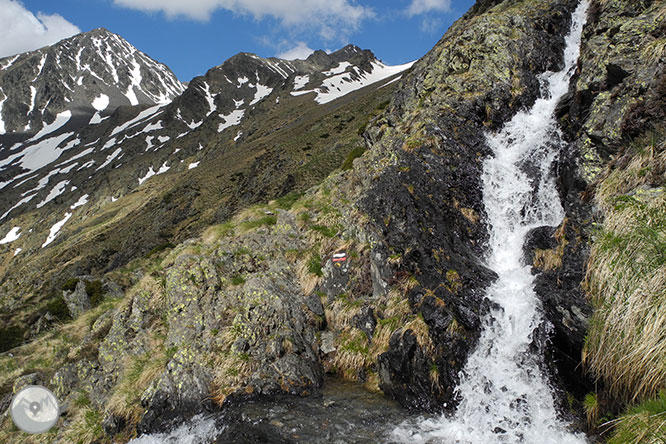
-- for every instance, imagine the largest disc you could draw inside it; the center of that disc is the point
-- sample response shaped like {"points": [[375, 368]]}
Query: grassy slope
{"points": [[287, 146]]}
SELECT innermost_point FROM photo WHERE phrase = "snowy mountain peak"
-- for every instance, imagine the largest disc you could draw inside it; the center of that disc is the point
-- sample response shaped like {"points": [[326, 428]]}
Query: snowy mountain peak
{"points": [[93, 72]]}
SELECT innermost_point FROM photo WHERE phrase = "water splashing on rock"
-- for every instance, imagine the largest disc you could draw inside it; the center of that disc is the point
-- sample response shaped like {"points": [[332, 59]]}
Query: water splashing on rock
{"points": [[505, 397]]}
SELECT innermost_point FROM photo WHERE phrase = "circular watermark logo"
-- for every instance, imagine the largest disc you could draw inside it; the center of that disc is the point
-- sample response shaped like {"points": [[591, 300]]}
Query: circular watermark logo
{"points": [[35, 409]]}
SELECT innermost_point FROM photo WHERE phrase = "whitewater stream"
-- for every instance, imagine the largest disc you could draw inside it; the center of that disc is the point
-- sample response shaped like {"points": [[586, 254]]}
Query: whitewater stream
{"points": [[505, 396]]}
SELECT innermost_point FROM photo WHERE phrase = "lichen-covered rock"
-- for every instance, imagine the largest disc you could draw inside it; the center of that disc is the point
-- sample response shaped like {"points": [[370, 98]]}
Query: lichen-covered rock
{"points": [[77, 300], [619, 90]]}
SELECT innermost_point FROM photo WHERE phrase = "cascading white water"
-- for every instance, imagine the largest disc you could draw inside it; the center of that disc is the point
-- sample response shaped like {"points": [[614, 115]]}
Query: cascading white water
{"points": [[505, 396]]}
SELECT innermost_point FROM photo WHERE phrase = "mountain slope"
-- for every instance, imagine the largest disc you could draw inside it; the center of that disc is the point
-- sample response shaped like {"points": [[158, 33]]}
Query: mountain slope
{"points": [[375, 273], [89, 201]]}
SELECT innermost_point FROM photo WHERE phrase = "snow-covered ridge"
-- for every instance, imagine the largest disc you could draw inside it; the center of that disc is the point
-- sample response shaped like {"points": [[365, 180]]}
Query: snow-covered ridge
{"points": [[346, 78]]}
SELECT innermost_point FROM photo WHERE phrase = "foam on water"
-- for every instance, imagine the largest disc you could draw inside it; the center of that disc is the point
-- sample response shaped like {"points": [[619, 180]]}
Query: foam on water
{"points": [[199, 430], [505, 398]]}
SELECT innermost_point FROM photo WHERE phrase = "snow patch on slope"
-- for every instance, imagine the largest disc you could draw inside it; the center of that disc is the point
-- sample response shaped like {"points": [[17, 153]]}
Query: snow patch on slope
{"points": [[231, 119], [13, 234], [55, 192], [53, 232], [60, 121], [341, 84], [300, 82], [262, 92], [101, 103]]}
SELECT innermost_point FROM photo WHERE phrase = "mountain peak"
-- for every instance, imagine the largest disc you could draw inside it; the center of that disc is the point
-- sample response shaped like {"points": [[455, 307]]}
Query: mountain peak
{"points": [[95, 71]]}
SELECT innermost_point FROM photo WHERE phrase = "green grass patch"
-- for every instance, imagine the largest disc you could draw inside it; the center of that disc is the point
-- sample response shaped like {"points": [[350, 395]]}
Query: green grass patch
{"points": [[353, 154], [58, 308], [160, 248], [70, 284], [325, 230], [237, 280], [643, 423], [10, 337], [288, 200], [314, 265], [95, 292], [261, 222]]}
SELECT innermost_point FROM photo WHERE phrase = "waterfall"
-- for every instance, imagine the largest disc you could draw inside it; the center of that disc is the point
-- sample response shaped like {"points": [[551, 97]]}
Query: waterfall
{"points": [[505, 397]]}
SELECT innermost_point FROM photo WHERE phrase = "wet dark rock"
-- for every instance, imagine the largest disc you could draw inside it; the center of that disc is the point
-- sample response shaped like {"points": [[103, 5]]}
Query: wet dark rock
{"points": [[313, 302], [113, 425], [181, 391], [404, 372], [542, 238], [335, 279], [365, 321], [249, 432]]}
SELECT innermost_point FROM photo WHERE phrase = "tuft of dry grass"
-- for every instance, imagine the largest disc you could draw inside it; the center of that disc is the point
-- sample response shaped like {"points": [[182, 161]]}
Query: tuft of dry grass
{"points": [[353, 353], [626, 281], [85, 428], [138, 373], [232, 369]]}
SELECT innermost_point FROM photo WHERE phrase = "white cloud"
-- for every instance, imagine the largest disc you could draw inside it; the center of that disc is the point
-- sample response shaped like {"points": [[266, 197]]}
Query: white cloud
{"points": [[301, 51], [330, 17], [432, 25], [21, 30], [422, 6]]}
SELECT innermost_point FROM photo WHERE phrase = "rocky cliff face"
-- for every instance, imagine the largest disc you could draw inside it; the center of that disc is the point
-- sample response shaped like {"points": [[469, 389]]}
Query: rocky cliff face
{"points": [[422, 179], [612, 185]]}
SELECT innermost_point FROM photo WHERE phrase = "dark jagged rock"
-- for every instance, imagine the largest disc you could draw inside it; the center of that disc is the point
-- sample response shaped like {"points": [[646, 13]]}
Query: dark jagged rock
{"points": [[182, 391], [404, 372]]}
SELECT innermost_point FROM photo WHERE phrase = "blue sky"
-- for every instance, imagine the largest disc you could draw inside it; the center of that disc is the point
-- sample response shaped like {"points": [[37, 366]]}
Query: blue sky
{"points": [[191, 36]]}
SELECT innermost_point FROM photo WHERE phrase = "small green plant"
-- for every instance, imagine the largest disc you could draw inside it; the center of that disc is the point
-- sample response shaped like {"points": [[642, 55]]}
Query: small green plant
{"points": [[58, 308], [82, 400], [591, 406], [159, 248], [326, 231], [264, 221], [305, 217], [314, 265], [237, 280], [70, 284], [353, 154], [95, 292], [242, 252], [93, 421], [288, 200]]}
